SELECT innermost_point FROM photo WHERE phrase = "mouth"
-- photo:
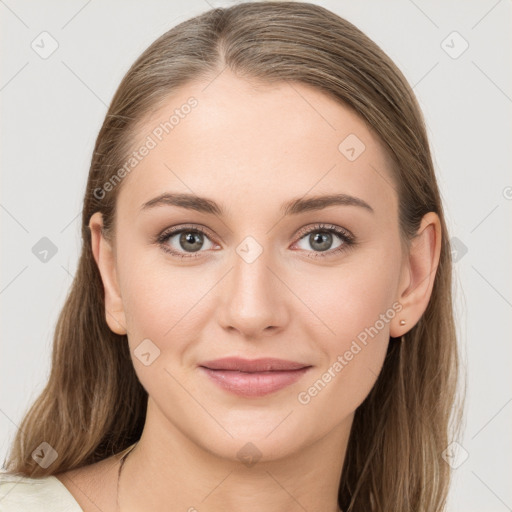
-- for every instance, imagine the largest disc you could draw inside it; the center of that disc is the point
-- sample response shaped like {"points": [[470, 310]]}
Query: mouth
{"points": [[253, 378]]}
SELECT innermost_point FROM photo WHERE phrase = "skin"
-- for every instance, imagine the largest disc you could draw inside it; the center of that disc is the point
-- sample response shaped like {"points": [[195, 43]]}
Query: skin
{"points": [[251, 148]]}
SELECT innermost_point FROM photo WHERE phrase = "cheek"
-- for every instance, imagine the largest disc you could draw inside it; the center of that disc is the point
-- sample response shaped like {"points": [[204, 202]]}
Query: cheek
{"points": [[162, 305], [353, 297], [167, 304], [356, 305], [161, 301], [340, 387], [354, 352]]}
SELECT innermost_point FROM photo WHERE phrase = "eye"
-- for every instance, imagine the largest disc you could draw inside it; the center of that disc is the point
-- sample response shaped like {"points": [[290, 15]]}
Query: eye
{"points": [[320, 239], [183, 240], [187, 242]]}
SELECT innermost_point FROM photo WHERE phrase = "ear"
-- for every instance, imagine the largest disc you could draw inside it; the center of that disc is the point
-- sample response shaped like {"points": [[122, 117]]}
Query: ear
{"points": [[106, 261], [418, 274]]}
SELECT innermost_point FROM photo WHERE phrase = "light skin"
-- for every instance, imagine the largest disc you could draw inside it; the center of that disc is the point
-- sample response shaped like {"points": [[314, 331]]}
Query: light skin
{"points": [[251, 149]]}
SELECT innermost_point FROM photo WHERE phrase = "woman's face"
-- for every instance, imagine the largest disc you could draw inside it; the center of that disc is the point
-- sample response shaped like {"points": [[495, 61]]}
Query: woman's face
{"points": [[265, 277]]}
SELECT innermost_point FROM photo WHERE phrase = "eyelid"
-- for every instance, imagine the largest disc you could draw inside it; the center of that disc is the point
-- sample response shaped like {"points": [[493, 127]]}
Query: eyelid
{"points": [[184, 227], [322, 226]]}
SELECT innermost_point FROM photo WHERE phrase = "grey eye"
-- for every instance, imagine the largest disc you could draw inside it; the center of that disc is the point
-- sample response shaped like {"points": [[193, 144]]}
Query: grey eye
{"points": [[319, 241], [189, 241]]}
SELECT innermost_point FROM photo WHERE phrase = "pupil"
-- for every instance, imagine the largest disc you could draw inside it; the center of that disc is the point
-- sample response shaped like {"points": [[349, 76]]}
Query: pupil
{"points": [[323, 239], [195, 239]]}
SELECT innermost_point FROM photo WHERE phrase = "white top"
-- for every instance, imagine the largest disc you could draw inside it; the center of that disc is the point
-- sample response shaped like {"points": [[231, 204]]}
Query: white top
{"points": [[24, 494]]}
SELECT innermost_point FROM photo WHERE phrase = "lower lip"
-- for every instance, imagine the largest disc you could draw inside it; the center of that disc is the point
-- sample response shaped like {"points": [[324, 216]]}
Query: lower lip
{"points": [[254, 384]]}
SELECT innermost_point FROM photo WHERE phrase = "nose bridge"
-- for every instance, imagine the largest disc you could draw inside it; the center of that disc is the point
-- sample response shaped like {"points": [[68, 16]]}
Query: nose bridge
{"points": [[254, 297]]}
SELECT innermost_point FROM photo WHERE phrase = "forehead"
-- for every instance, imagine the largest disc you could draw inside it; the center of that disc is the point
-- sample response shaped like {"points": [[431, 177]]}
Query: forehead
{"points": [[252, 146]]}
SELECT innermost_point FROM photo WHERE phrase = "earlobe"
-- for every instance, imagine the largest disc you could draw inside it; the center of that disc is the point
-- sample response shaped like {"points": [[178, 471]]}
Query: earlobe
{"points": [[105, 260], [418, 275]]}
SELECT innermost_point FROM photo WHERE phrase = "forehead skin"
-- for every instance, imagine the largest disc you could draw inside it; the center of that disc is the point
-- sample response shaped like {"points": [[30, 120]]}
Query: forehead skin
{"points": [[252, 149]]}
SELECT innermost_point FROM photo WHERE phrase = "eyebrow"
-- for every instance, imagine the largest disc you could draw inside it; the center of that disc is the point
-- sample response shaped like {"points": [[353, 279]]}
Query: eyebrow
{"points": [[293, 207]]}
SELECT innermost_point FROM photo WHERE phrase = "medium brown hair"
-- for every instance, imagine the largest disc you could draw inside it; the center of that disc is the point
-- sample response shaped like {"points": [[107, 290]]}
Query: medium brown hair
{"points": [[94, 406]]}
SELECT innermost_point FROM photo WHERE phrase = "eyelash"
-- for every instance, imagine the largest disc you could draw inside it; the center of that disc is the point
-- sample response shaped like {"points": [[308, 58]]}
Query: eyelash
{"points": [[347, 239]]}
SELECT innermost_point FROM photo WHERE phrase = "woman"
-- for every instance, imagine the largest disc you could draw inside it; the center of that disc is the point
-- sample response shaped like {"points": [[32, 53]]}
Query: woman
{"points": [[262, 312]]}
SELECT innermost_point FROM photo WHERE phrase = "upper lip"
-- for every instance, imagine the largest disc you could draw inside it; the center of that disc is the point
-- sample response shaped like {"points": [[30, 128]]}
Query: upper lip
{"points": [[266, 364]]}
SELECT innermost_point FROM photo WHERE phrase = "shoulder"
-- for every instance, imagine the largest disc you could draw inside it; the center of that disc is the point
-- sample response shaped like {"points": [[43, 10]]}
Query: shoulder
{"points": [[21, 493]]}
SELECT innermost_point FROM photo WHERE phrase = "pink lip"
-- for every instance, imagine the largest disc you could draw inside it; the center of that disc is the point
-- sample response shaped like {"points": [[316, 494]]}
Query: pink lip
{"points": [[255, 377]]}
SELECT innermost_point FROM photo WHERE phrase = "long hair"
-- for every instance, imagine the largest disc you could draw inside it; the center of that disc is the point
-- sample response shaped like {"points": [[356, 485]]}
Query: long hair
{"points": [[93, 404]]}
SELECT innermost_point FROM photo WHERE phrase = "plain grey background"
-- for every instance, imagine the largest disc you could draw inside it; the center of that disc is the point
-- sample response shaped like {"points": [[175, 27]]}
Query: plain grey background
{"points": [[456, 55]]}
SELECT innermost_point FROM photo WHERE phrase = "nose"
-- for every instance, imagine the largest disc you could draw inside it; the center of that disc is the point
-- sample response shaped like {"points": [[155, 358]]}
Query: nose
{"points": [[254, 299]]}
